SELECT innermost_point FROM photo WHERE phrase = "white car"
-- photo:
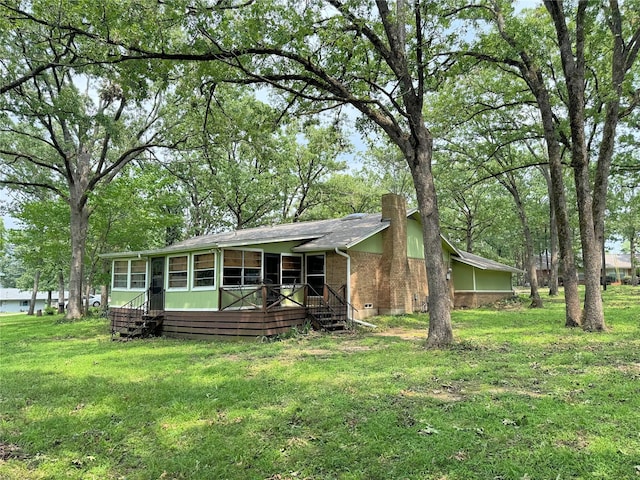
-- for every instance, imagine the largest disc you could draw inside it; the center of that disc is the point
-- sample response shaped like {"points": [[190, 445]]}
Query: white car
{"points": [[94, 301]]}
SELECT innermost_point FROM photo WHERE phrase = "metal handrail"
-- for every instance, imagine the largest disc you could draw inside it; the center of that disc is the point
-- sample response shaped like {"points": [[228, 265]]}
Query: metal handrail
{"points": [[136, 309]]}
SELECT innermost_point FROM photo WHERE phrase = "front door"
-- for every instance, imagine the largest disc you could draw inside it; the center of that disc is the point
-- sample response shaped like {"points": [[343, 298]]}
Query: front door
{"points": [[272, 277], [272, 268], [156, 299]]}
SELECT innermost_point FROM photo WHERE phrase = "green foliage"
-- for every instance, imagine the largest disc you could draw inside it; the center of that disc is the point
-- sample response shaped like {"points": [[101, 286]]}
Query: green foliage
{"points": [[518, 396]]}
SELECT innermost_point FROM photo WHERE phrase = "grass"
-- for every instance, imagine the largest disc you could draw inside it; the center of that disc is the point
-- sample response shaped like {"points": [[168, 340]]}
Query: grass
{"points": [[517, 397]]}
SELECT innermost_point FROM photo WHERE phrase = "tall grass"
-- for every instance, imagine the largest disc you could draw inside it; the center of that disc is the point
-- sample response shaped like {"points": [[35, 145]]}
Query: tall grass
{"points": [[517, 397]]}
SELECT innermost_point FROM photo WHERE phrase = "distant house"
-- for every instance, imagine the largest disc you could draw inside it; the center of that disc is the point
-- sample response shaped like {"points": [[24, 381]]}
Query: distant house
{"points": [[618, 266], [266, 280], [14, 300]]}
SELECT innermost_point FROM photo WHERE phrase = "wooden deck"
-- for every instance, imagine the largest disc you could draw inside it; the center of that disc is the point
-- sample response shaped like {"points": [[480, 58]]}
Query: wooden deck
{"points": [[232, 323], [264, 311]]}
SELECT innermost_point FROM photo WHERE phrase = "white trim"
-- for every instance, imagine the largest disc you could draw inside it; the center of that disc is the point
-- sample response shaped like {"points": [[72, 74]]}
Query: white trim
{"points": [[324, 267], [259, 250], [128, 274], [294, 254], [168, 273], [192, 266]]}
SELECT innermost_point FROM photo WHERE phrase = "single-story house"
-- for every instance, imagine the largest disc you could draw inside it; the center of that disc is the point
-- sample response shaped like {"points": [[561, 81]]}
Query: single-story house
{"points": [[264, 281], [618, 267], [14, 300]]}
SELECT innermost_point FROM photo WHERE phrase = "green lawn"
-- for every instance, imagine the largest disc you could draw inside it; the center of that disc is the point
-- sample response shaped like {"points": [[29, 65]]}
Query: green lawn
{"points": [[518, 397]]}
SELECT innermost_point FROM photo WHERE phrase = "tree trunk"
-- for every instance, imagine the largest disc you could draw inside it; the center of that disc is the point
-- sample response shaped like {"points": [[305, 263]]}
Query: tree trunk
{"points": [[573, 66], [553, 236], [419, 159], [61, 298], [34, 293], [536, 300], [79, 225], [632, 258], [529, 255], [593, 314], [557, 193], [104, 289]]}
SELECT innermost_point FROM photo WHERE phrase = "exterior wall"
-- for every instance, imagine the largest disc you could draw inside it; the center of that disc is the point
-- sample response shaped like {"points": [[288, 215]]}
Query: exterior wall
{"points": [[120, 298], [393, 296], [477, 299], [191, 300], [18, 306], [366, 276], [474, 287], [368, 281], [415, 242], [417, 280], [462, 275], [493, 280], [335, 270], [372, 244]]}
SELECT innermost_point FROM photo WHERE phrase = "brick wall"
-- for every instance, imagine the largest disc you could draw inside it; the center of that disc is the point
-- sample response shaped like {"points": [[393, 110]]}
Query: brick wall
{"points": [[477, 299], [335, 269], [366, 273]]}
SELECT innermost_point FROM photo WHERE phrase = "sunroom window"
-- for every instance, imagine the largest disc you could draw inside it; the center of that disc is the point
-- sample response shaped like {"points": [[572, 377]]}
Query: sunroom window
{"points": [[315, 274], [129, 274], [204, 270], [291, 269], [242, 267], [178, 272], [138, 273], [120, 274]]}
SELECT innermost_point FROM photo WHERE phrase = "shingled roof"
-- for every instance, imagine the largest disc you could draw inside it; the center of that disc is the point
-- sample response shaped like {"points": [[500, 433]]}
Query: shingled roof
{"points": [[314, 236], [483, 263], [318, 235]]}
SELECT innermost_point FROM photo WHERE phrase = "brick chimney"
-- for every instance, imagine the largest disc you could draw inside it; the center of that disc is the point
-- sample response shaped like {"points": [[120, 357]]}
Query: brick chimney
{"points": [[394, 289]]}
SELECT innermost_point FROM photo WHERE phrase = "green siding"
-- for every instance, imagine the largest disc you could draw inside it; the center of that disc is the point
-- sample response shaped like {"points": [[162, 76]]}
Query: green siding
{"points": [[372, 244], [415, 245], [462, 276], [122, 297], [203, 299], [493, 280], [486, 280], [415, 242]]}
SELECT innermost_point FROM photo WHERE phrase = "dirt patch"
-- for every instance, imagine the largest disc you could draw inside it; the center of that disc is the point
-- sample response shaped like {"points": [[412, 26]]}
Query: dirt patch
{"points": [[318, 352], [403, 333], [632, 369], [10, 450], [517, 391], [323, 352]]}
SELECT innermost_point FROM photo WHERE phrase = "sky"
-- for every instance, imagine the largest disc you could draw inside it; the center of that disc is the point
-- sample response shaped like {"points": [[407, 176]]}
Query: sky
{"points": [[9, 222]]}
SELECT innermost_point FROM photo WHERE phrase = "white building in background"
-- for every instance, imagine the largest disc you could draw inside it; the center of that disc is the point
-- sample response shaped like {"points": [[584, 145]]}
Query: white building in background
{"points": [[14, 300]]}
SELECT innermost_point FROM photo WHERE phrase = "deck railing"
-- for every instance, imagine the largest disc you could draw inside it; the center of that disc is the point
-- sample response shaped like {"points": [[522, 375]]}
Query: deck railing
{"points": [[263, 297]]}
